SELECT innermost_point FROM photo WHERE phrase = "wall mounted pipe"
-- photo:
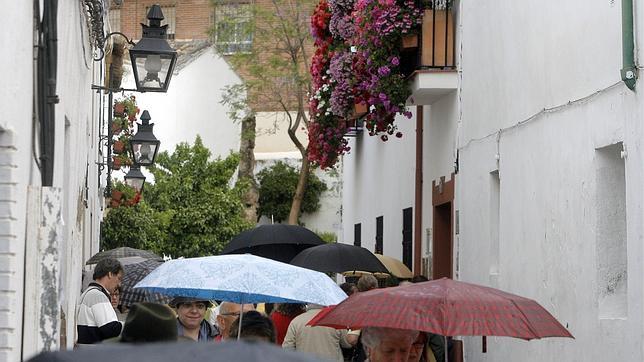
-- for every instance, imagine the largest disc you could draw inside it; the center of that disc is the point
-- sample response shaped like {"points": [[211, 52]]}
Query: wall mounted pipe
{"points": [[629, 70]]}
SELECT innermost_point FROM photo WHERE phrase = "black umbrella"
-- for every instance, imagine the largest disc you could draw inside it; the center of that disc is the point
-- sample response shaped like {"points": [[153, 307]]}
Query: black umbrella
{"points": [[278, 242], [171, 352], [134, 273], [338, 258], [122, 252]]}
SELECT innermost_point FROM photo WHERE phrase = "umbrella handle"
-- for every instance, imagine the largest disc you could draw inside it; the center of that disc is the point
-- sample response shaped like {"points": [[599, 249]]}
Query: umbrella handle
{"points": [[241, 314], [445, 348]]}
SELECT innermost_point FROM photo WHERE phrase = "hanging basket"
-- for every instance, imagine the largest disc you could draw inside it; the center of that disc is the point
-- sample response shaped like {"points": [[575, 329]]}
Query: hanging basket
{"points": [[116, 127], [118, 147], [116, 195], [116, 163], [359, 110], [409, 41]]}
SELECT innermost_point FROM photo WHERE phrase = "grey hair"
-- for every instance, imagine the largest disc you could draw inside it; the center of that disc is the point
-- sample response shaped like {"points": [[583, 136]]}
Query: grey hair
{"points": [[373, 336], [367, 282]]}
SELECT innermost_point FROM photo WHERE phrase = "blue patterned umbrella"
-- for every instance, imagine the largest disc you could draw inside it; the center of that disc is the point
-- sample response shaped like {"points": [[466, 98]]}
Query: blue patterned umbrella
{"points": [[242, 278]]}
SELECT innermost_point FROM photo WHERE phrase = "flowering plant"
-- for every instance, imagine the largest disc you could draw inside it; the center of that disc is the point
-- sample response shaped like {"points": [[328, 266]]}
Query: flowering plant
{"points": [[333, 82], [125, 111], [326, 132], [357, 61], [123, 195], [380, 26]]}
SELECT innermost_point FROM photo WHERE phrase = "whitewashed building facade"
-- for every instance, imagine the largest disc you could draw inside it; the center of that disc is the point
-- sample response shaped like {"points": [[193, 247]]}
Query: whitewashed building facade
{"points": [[544, 142], [50, 198]]}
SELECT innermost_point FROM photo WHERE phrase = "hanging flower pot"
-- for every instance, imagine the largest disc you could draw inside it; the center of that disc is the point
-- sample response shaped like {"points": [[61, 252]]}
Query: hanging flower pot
{"points": [[116, 163], [118, 147], [359, 110], [116, 127], [117, 195], [119, 109], [409, 41]]}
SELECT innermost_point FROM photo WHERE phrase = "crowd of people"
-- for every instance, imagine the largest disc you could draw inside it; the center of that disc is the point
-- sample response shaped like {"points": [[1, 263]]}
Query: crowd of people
{"points": [[101, 319]]}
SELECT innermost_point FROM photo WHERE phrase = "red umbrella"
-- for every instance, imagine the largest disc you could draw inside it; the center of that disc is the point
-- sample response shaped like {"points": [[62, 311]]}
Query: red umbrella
{"points": [[445, 307]]}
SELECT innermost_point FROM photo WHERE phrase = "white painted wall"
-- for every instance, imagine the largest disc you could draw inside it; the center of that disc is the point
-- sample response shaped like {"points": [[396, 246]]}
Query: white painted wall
{"points": [[192, 105], [515, 59], [75, 156], [378, 180], [541, 55], [328, 217], [16, 102]]}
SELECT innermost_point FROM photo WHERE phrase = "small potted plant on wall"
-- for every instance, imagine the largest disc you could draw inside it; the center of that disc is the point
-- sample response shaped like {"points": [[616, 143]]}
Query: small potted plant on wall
{"points": [[123, 195]]}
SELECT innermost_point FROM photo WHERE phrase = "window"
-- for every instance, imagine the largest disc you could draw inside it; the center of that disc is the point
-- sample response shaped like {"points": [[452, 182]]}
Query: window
{"points": [[233, 27], [495, 220], [357, 234], [407, 236], [115, 20], [169, 19], [379, 232], [611, 243]]}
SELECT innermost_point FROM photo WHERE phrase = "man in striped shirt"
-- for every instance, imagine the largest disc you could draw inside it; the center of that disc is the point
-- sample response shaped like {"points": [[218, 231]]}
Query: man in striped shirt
{"points": [[95, 318]]}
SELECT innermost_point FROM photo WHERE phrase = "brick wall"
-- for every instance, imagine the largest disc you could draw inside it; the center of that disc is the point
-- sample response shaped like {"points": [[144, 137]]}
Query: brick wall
{"points": [[193, 17]]}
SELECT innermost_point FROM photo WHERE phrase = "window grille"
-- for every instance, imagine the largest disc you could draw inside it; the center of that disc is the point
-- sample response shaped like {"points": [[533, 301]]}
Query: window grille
{"points": [[233, 27], [115, 20]]}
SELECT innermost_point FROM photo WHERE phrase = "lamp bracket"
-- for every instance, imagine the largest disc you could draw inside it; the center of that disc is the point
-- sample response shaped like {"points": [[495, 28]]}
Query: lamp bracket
{"points": [[114, 90], [101, 47]]}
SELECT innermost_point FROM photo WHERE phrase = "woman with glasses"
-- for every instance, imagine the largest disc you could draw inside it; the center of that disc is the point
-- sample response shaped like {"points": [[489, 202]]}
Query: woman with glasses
{"points": [[190, 319]]}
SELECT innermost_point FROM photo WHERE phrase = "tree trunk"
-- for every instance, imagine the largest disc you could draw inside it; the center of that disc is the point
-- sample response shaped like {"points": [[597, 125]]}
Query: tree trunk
{"points": [[246, 172], [296, 205]]}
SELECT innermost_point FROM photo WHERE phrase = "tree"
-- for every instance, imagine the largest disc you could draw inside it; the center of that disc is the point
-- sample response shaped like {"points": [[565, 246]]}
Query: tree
{"points": [[190, 210], [276, 71], [277, 184], [137, 226]]}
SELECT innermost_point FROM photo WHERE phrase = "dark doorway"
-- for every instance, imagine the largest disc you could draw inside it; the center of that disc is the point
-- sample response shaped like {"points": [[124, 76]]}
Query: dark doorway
{"points": [[442, 243], [357, 234], [407, 233], [379, 232]]}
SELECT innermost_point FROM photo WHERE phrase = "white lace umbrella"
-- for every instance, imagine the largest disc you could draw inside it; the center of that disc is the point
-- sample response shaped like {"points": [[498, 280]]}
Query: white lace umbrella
{"points": [[242, 279]]}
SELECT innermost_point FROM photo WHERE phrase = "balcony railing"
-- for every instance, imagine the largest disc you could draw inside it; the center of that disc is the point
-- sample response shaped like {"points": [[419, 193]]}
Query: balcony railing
{"points": [[433, 47]]}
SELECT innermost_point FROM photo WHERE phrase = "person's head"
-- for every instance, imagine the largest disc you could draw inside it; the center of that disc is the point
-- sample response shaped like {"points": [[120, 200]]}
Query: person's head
{"points": [[228, 312], [418, 347], [254, 326], [387, 344], [190, 311], [291, 309], [348, 288], [367, 282], [149, 322], [115, 297], [419, 279], [108, 273]]}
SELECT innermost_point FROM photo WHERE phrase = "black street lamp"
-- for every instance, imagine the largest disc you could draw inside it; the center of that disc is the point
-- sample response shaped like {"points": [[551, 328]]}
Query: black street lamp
{"points": [[144, 145], [135, 178], [152, 57]]}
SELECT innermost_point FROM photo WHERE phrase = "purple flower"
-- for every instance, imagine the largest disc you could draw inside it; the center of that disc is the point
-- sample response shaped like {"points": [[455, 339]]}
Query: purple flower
{"points": [[384, 71], [395, 61]]}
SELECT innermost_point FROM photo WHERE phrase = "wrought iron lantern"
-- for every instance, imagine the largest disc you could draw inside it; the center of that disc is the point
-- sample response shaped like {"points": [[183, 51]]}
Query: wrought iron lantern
{"points": [[152, 57], [135, 178], [144, 145]]}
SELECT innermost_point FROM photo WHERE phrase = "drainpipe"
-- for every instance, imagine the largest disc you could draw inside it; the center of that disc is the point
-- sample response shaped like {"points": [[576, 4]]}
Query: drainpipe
{"points": [[629, 71], [418, 194]]}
